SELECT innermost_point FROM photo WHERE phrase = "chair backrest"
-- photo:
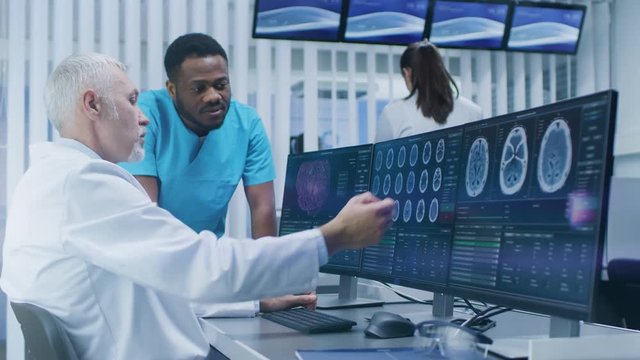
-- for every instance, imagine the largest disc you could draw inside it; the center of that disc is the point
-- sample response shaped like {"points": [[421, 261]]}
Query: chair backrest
{"points": [[624, 276], [44, 336]]}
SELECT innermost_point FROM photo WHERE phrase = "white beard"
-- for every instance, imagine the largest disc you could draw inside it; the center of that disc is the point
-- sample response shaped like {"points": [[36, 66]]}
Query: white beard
{"points": [[137, 153]]}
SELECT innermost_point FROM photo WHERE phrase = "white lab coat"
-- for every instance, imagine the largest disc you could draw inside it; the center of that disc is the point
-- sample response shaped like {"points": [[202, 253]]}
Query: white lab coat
{"points": [[402, 118], [84, 241]]}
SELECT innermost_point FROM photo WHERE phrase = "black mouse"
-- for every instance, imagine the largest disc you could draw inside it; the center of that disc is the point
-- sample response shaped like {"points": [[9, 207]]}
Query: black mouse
{"points": [[386, 325]]}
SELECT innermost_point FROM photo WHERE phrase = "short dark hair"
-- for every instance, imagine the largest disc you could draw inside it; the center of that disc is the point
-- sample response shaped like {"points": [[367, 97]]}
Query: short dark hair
{"points": [[188, 45]]}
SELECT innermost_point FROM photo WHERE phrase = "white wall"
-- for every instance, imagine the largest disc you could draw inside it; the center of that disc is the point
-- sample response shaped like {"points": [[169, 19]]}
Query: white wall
{"points": [[625, 76]]}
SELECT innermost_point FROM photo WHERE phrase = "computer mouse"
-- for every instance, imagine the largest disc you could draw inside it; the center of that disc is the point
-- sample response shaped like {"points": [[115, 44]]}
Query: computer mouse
{"points": [[386, 325]]}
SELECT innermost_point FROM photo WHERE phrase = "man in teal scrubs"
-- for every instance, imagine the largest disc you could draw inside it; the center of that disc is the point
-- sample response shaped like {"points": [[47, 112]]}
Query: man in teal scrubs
{"points": [[199, 144]]}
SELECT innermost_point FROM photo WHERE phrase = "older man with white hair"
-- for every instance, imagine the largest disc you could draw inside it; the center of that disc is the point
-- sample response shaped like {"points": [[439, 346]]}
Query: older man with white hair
{"points": [[85, 242]]}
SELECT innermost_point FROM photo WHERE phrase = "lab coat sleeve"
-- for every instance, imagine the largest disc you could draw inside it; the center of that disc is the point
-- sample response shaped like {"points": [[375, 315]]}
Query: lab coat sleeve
{"points": [[110, 222], [384, 130], [236, 309]]}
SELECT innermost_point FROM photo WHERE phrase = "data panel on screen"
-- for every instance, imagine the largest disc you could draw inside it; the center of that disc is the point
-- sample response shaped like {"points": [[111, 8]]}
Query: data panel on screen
{"points": [[317, 185], [544, 27], [421, 174], [469, 24], [297, 19], [529, 212], [385, 22]]}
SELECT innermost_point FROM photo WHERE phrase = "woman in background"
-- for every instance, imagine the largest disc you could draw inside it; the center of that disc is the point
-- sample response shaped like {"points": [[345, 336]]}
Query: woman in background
{"points": [[431, 103]]}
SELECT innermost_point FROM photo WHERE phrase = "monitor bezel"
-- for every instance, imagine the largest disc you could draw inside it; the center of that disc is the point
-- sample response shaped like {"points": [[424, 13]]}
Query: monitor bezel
{"points": [[254, 35], [507, 24], [545, 306], [550, 6], [346, 5]]}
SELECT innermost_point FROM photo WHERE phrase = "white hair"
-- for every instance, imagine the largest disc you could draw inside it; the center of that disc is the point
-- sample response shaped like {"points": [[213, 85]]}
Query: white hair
{"points": [[71, 78]]}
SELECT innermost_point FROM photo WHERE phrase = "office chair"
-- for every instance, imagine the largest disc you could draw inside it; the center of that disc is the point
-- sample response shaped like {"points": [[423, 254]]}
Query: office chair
{"points": [[624, 277], [43, 334]]}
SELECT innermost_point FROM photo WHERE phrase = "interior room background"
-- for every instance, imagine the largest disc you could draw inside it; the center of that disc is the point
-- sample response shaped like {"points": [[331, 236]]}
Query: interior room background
{"points": [[330, 92]]}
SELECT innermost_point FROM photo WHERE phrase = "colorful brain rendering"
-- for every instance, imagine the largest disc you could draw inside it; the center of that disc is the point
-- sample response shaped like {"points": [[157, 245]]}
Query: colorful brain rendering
{"points": [[313, 185]]}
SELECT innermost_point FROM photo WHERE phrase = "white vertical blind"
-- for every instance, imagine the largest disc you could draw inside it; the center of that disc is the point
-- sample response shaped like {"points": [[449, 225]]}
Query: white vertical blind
{"points": [[263, 93], [38, 70], [310, 119], [132, 31], [501, 85], [16, 140], [86, 25], [483, 61], [109, 28], [221, 24], [371, 96], [536, 83], [198, 21], [351, 97], [155, 46], [62, 30], [586, 55], [519, 86], [177, 18], [282, 112]]}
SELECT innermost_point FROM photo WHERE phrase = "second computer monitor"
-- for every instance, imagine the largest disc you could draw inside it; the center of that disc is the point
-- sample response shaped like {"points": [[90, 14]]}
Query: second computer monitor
{"points": [[317, 185]]}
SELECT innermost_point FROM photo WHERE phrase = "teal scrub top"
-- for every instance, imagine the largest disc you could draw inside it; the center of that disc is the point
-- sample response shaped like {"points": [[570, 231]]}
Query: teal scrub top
{"points": [[196, 179]]}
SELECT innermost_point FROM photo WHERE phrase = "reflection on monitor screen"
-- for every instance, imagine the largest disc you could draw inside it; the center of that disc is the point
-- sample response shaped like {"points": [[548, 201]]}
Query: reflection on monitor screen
{"points": [[297, 19], [317, 185], [546, 28], [469, 24], [529, 213], [385, 22], [421, 174]]}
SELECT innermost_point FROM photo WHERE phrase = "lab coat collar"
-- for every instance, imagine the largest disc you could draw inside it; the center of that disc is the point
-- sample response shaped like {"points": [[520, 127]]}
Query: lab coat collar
{"points": [[77, 145]]}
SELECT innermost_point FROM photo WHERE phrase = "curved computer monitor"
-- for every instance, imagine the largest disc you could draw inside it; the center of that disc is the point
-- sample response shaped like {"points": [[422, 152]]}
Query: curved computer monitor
{"points": [[546, 27], [421, 174], [317, 185], [317, 20], [469, 24], [398, 22], [531, 207]]}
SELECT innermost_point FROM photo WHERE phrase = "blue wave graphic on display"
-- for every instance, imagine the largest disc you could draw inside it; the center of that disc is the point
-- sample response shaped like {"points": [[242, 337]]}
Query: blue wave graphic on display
{"points": [[296, 18], [466, 29], [383, 24], [543, 33]]}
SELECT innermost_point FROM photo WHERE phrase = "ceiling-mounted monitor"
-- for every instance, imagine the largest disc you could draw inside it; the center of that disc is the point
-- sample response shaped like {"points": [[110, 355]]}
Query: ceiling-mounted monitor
{"points": [[317, 20], [546, 27], [385, 22], [469, 24]]}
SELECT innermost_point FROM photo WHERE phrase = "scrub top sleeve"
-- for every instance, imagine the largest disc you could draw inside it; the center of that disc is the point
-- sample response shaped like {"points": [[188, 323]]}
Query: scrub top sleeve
{"points": [[259, 167], [147, 166]]}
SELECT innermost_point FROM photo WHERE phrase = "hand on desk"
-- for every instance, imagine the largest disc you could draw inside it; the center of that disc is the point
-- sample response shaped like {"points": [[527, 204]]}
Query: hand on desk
{"points": [[289, 301]]}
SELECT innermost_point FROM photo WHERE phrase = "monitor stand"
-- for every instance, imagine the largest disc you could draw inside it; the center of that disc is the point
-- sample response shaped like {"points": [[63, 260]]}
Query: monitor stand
{"points": [[561, 327], [442, 305], [347, 296]]}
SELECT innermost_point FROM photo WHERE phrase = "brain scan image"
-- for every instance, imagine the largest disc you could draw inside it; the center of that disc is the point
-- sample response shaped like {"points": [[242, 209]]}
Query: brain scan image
{"points": [[420, 211], [426, 153], [386, 186], [437, 179], [398, 184], [379, 160], [402, 156], [513, 163], [424, 180], [434, 208], [313, 184], [389, 158], [413, 156], [396, 210], [406, 212], [554, 161], [477, 167], [411, 182], [440, 150], [375, 187]]}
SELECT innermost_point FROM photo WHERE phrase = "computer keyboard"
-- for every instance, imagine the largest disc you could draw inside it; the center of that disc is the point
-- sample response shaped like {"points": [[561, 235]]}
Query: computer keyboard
{"points": [[309, 321]]}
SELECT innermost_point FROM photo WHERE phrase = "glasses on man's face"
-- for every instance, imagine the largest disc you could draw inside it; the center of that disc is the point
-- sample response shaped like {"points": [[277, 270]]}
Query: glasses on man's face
{"points": [[445, 340]]}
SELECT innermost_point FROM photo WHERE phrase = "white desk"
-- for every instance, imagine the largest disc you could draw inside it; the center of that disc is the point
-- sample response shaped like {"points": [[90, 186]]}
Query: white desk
{"points": [[257, 338]]}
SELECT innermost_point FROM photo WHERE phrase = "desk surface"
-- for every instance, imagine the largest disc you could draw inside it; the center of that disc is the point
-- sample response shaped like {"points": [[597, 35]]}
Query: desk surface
{"points": [[257, 338]]}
